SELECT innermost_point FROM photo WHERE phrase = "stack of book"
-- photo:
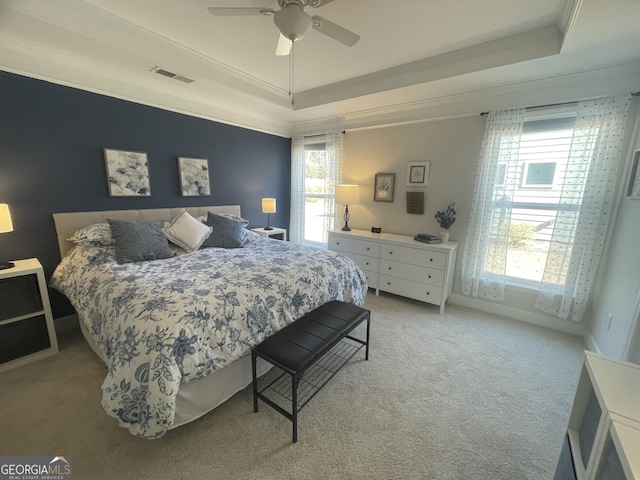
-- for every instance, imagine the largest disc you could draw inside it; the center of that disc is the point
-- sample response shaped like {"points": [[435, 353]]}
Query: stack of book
{"points": [[427, 238]]}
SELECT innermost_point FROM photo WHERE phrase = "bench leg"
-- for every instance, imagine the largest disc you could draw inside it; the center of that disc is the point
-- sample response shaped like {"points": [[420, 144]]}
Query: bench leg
{"points": [[366, 357], [294, 405], [255, 380]]}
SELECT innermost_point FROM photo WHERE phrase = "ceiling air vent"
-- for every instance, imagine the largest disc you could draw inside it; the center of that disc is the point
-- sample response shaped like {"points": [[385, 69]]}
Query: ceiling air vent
{"points": [[175, 76]]}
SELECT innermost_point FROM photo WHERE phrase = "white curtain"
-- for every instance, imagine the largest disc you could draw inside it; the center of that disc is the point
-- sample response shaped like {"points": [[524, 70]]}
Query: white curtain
{"points": [[485, 254], [583, 217], [589, 187], [333, 150], [296, 221], [334, 145]]}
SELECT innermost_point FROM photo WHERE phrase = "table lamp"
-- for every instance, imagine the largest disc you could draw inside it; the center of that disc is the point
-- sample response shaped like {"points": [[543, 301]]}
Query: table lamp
{"points": [[5, 227], [347, 194], [268, 207]]}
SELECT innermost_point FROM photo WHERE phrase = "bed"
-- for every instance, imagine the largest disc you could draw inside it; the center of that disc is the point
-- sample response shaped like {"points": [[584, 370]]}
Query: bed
{"points": [[174, 333]]}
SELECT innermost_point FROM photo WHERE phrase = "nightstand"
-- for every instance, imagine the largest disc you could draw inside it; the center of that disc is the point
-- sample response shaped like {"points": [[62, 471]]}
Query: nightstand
{"points": [[275, 232], [27, 332]]}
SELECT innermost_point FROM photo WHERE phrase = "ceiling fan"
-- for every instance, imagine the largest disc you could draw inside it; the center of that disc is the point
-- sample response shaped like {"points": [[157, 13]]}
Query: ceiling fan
{"points": [[294, 22]]}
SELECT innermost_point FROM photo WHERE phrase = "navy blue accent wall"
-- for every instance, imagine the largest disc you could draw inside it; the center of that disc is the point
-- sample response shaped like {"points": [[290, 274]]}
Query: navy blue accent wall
{"points": [[51, 160]]}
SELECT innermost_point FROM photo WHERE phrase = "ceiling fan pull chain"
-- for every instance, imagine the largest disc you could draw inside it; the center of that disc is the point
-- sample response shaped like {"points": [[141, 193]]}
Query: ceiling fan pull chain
{"points": [[291, 72]]}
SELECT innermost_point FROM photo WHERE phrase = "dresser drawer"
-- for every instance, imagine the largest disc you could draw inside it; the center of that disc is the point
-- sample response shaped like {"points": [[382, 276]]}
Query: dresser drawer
{"points": [[415, 273], [19, 296], [372, 278], [414, 256], [18, 339], [364, 262], [354, 245], [408, 288]]}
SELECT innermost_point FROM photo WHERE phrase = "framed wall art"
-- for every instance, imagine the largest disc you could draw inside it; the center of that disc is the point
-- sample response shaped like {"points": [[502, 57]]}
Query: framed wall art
{"points": [[384, 186], [194, 177], [633, 191], [127, 173], [417, 174]]}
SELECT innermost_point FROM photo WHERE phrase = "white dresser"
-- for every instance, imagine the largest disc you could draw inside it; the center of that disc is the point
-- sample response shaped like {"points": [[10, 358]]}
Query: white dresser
{"points": [[399, 264]]}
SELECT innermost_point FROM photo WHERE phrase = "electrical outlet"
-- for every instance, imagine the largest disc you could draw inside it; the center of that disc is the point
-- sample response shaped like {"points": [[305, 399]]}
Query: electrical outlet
{"points": [[610, 320]]}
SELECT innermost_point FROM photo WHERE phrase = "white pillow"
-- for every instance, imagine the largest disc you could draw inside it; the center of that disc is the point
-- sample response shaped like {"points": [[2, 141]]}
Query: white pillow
{"points": [[187, 232]]}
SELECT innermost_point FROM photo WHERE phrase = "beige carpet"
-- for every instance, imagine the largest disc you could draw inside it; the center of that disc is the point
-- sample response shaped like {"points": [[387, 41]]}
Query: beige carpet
{"points": [[464, 395]]}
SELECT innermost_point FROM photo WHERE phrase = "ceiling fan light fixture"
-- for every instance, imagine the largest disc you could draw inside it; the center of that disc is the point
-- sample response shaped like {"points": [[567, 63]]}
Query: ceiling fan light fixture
{"points": [[293, 22]]}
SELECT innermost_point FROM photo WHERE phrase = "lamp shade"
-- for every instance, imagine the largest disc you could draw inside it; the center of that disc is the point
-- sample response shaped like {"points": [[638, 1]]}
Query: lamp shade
{"points": [[268, 205], [348, 194], [5, 219], [292, 21]]}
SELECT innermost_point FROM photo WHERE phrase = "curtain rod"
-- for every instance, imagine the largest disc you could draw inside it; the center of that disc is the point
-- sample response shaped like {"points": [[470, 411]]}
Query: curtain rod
{"points": [[634, 94]]}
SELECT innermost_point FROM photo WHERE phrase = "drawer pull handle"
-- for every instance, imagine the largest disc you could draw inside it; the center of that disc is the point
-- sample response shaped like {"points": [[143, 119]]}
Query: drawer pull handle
{"points": [[389, 268], [388, 283], [427, 293], [431, 259], [429, 276], [367, 263], [390, 253], [337, 243], [368, 249]]}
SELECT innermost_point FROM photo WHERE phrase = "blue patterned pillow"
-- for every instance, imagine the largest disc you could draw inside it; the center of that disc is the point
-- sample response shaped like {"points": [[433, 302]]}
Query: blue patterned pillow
{"points": [[96, 235], [137, 241], [227, 232]]}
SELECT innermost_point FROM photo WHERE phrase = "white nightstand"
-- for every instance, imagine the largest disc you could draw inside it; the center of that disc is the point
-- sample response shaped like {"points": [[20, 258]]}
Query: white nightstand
{"points": [[275, 232], [26, 322]]}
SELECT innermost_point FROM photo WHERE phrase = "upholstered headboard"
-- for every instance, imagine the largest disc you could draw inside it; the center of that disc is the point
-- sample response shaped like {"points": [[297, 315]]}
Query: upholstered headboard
{"points": [[68, 223]]}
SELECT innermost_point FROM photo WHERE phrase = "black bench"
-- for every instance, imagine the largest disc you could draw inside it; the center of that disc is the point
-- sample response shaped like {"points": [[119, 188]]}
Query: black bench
{"points": [[302, 345]]}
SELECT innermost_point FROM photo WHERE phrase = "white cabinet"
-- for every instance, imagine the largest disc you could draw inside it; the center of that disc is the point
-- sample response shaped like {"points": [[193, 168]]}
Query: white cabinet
{"points": [[399, 264], [603, 435], [273, 232], [26, 322]]}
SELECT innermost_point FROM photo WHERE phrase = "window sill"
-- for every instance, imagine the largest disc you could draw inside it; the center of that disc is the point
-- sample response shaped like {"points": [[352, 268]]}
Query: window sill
{"points": [[520, 286]]}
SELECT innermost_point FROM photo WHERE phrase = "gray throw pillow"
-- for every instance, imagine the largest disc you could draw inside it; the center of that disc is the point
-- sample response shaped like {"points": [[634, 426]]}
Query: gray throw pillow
{"points": [[137, 241], [227, 232]]}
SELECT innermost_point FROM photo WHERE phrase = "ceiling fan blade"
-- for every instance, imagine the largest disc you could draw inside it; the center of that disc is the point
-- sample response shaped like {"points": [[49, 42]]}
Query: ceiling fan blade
{"points": [[318, 3], [284, 46], [341, 34], [240, 11]]}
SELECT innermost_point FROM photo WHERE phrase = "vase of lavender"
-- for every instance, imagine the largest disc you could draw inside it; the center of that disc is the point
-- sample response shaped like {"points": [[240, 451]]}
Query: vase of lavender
{"points": [[445, 220]]}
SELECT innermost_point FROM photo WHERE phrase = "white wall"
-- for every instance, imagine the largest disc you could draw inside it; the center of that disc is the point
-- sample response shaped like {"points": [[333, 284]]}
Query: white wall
{"points": [[618, 287], [453, 148]]}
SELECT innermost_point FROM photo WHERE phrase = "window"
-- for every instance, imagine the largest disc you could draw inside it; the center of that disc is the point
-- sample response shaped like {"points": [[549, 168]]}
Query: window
{"points": [[315, 173], [319, 194], [543, 200], [539, 174], [528, 200]]}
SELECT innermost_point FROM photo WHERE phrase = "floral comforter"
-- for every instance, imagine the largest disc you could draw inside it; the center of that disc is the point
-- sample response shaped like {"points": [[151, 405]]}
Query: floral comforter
{"points": [[163, 322]]}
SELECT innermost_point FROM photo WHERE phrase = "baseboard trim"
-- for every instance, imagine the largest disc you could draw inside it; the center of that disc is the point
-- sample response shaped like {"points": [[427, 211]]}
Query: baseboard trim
{"points": [[517, 314], [592, 345], [64, 324]]}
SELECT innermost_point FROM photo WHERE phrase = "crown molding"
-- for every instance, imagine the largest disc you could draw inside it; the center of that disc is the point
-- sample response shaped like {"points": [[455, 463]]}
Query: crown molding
{"points": [[34, 61], [87, 21], [563, 88], [537, 43], [37, 61]]}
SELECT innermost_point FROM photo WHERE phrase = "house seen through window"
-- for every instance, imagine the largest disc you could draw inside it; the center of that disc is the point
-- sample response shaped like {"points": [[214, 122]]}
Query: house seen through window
{"points": [[527, 200]]}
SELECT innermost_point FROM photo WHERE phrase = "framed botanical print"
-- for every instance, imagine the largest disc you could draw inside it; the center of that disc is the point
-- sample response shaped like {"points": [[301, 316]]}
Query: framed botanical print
{"points": [[417, 174], [127, 173], [194, 177], [384, 186]]}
